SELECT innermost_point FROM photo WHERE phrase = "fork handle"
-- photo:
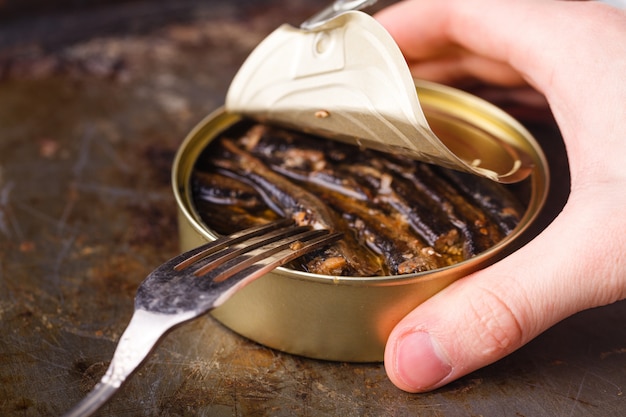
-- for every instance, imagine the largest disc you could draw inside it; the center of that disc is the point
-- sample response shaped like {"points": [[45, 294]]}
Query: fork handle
{"points": [[93, 401], [142, 334]]}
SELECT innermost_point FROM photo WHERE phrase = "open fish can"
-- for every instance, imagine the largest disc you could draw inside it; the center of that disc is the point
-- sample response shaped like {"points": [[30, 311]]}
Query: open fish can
{"points": [[348, 318]]}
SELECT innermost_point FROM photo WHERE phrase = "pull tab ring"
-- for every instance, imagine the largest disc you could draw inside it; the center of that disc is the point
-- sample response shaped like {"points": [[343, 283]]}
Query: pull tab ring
{"points": [[338, 7]]}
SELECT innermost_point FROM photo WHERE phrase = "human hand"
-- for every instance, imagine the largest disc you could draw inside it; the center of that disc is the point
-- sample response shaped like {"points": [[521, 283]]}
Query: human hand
{"points": [[574, 53]]}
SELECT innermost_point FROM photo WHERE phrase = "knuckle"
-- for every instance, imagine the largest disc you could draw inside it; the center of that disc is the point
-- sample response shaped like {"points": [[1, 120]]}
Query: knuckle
{"points": [[497, 329]]}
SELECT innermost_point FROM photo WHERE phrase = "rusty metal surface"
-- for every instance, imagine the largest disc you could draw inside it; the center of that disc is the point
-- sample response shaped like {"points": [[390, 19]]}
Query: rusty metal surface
{"points": [[88, 130]]}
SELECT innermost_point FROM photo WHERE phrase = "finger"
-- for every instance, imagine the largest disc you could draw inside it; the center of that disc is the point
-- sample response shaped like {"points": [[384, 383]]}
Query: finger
{"points": [[534, 37], [458, 68], [419, 28], [486, 316]]}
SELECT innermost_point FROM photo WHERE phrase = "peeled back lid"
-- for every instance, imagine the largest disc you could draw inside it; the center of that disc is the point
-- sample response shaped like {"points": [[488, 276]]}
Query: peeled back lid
{"points": [[346, 79]]}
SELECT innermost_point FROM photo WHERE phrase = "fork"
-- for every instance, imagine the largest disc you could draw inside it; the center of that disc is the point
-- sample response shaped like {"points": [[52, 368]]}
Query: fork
{"points": [[194, 283]]}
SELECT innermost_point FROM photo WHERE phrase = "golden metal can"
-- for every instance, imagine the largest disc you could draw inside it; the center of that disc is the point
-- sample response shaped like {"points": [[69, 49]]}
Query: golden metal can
{"points": [[350, 318]]}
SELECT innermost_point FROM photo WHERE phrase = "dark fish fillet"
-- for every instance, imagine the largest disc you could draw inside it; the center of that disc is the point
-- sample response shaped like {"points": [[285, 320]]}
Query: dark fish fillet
{"points": [[495, 201]]}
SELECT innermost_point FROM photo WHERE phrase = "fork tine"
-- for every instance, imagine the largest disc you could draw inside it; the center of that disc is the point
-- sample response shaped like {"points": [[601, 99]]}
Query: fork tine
{"points": [[220, 257], [246, 271], [224, 241], [221, 271]]}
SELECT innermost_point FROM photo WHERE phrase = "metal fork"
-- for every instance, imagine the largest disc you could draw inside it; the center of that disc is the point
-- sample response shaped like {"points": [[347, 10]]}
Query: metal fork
{"points": [[194, 283]]}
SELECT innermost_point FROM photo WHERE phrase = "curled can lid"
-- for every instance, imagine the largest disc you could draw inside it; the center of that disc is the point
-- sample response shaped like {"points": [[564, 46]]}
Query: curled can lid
{"points": [[347, 80]]}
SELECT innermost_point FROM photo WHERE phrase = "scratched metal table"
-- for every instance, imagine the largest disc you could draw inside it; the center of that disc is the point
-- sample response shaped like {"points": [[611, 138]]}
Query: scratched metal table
{"points": [[94, 102]]}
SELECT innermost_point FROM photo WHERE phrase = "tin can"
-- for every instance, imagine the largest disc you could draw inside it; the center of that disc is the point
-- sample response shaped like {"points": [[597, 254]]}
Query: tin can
{"points": [[350, 318]]}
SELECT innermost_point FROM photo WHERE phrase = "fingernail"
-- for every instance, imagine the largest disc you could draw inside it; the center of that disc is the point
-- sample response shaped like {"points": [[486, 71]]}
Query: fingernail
{"points": [[419, 363]]}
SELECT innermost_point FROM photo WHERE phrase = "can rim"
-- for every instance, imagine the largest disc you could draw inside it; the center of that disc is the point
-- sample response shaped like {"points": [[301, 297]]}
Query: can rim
{"points": [[192, 146]]}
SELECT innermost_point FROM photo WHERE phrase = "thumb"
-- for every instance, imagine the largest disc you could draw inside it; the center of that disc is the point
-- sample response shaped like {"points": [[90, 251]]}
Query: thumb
{"points": [[485, 316]]}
